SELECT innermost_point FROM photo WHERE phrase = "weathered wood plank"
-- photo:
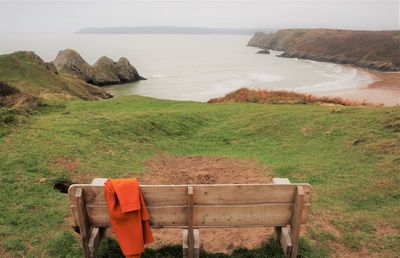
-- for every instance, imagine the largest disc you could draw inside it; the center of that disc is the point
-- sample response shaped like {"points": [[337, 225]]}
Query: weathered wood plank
{"points": [[82, 220], [207, 216], [295, 223], [280, 181], [281, 234], [190, 221], [245, 194], [196, 234], [94, 241], [242, 215], [153, 195], [99, 181], [168, 195]]}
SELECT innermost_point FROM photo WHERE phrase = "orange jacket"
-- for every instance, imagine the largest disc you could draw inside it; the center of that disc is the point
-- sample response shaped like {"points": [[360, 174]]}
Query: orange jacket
{"points": [[128, 215]]}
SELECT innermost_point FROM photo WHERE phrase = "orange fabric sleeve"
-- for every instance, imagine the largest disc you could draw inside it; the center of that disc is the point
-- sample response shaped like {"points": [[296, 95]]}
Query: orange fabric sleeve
{"points": [[128, 215]]}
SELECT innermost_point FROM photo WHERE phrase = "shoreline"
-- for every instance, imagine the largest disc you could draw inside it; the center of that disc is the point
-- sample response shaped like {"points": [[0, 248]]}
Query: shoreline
{"points": [[386, 80], [384, 89]]}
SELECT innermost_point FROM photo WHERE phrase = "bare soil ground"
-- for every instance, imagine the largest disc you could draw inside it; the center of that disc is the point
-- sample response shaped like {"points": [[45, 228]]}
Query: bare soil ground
{"points": [[208, 170]]}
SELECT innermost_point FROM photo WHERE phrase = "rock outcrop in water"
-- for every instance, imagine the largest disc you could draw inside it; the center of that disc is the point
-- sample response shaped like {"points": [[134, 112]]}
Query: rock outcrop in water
{"points": [[104, 72], [263, 51], [379, 50]]}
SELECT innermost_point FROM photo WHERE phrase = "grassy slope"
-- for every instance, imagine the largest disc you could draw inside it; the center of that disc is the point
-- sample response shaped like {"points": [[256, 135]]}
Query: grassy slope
{"points": [[349, 155], [28, 73]]}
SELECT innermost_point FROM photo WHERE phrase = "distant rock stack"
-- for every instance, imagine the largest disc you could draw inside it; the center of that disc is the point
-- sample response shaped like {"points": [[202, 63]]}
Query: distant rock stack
{"points": [[263, 51], [104, 72], [69, 60]]}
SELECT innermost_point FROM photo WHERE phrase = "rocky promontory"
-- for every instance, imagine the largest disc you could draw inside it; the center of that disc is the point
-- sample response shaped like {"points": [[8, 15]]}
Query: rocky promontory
{"points": [[26, 79], [104, 72], [379, 50]]}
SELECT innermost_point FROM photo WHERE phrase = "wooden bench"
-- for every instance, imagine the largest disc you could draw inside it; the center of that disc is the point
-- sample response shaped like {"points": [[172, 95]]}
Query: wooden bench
{"points": [[192, 207]]}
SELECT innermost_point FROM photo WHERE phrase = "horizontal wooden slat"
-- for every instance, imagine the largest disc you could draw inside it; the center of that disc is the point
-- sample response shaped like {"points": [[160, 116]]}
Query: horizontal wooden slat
{"points": [[208, 216], [247, 194], [167, 195]]}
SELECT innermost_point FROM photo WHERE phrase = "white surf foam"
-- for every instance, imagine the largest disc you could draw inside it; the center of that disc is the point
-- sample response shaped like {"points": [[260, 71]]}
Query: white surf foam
{"points": [[264, 77], [339, 78], [157, 76]]}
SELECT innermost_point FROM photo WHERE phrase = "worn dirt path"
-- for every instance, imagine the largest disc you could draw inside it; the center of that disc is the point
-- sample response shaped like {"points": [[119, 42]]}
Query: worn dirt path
{"points": [[208, 170]]}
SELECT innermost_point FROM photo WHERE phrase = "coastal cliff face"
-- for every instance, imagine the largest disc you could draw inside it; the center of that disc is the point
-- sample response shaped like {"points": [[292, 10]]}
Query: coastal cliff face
{"points": [[379, 50], [104, 72]]}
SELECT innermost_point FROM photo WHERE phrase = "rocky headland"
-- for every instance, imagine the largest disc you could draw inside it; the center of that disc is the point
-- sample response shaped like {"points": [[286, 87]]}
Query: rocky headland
{"points": [[104, 72], [378, 50], [28, 80]]}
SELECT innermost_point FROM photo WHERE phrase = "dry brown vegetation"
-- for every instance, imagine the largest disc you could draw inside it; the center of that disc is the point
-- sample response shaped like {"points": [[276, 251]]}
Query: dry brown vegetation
{"points": [[12, 97], [284, 97]]}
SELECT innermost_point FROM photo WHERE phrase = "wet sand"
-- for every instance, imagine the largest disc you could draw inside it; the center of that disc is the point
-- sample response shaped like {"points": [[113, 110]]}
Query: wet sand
{"points": [[385, 89], [386, 80]]}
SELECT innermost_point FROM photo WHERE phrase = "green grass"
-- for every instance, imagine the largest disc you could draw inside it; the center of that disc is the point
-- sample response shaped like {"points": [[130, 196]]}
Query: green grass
{"points": [[31, 75], [109, 248], [350, 156]]}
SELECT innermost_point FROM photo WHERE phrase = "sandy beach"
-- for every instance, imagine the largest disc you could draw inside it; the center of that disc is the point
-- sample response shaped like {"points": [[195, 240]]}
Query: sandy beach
{"points": [[385, 89], [387, 80]]}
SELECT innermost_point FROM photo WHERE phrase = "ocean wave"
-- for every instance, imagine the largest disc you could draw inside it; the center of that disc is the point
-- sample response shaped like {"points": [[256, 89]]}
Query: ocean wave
{"points": [[343, 78], [157, 76], [265, 77]]}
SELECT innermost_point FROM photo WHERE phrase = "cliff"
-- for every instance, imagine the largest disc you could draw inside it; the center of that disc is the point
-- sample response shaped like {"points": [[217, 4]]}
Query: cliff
{"points": [[104, 72], [379, 50], [25, 77]]}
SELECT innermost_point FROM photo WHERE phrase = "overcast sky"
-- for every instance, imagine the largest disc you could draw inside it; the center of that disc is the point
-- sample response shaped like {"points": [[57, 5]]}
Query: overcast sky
{"points": [[70, 16]]}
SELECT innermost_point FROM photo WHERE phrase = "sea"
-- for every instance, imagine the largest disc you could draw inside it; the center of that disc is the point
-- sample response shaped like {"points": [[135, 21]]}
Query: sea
{"points": [[201, 67]]}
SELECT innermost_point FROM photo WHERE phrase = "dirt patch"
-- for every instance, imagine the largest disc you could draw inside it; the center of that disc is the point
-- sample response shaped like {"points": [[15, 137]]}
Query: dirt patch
{"points": [[386, 230], [203, 170], [70, 165], [208, 170]]}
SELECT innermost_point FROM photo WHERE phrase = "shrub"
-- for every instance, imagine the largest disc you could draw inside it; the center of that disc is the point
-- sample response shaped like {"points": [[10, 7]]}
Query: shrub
{"points": [[283, 97]]}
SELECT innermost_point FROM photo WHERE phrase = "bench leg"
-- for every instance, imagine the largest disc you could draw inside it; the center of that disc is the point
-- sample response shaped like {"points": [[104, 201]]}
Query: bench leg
{"points": [[281, 234], [185, 243], [95, 240], [296, 219], [83, 221]]}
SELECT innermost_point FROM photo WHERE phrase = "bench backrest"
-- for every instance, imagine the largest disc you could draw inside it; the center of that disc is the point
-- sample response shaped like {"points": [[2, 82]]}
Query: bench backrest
{"points": [[218, 205]]}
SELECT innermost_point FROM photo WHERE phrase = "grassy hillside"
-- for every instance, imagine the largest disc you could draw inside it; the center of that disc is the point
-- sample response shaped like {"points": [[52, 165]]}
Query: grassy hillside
{"points": [[29, 74], [373, 49], [350, 156]]}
